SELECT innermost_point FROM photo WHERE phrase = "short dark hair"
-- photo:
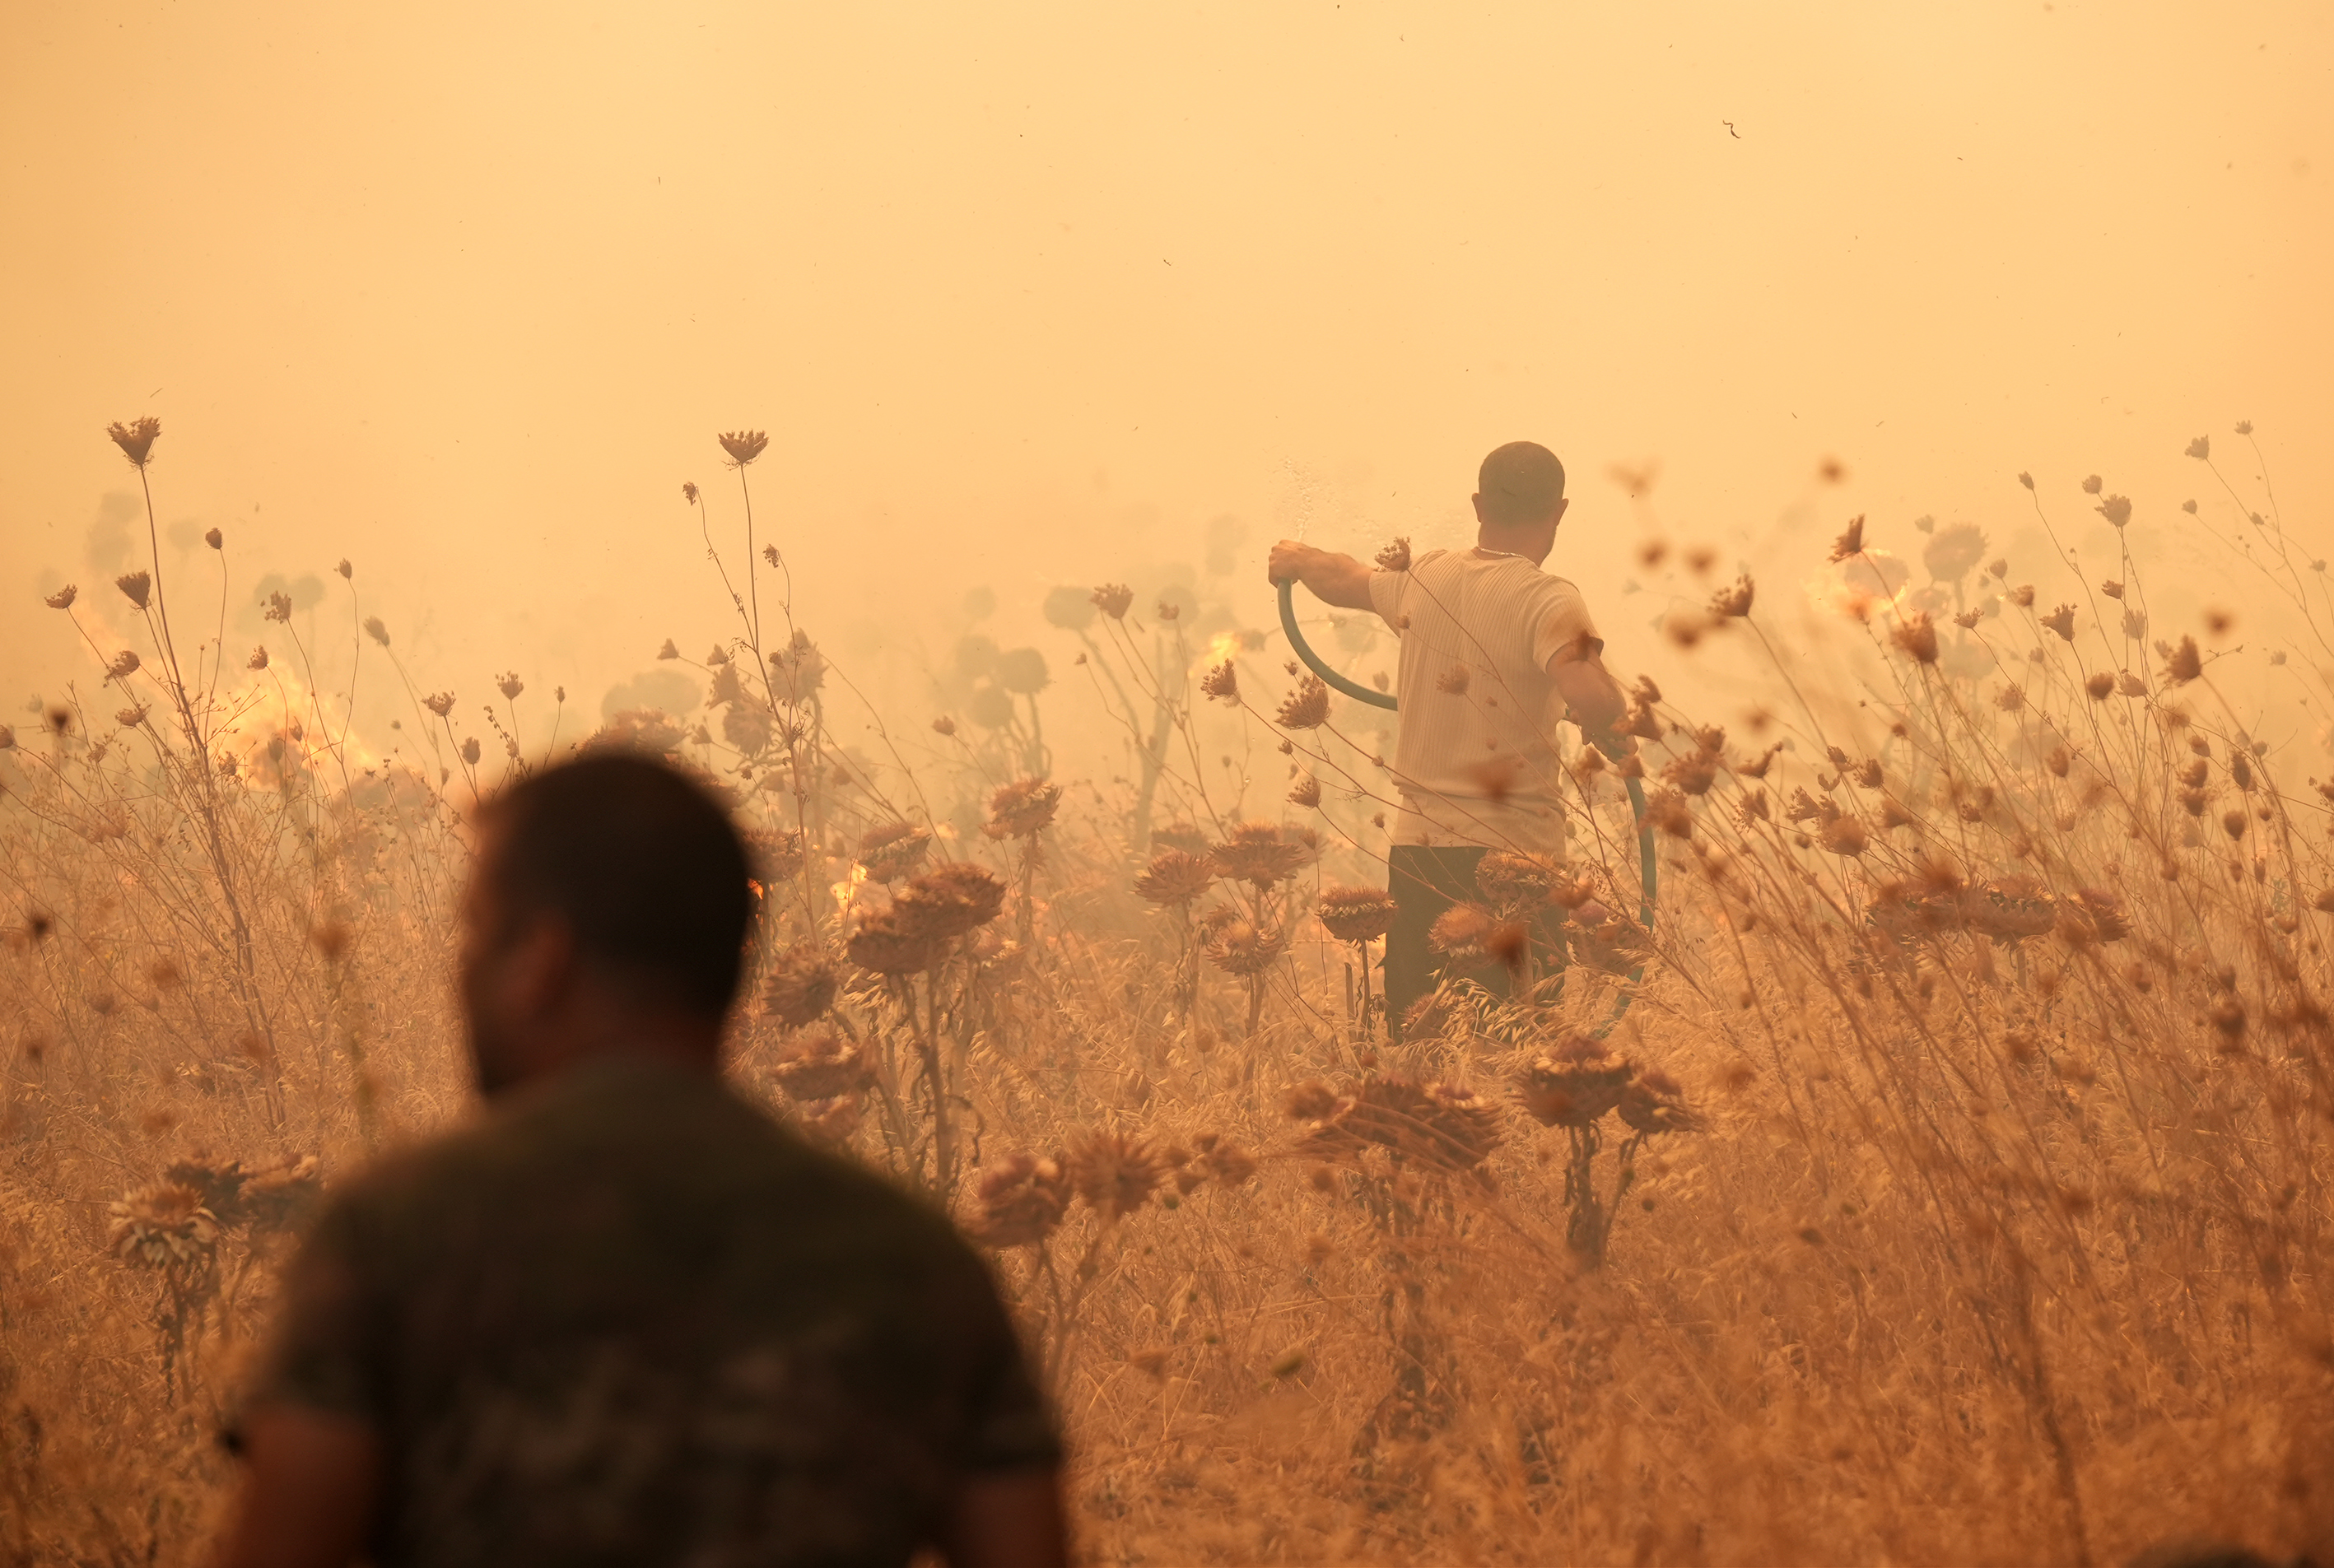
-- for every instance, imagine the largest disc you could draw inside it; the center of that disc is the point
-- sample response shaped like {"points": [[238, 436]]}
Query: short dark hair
{"points": [[1520, 482], [642, 863]]}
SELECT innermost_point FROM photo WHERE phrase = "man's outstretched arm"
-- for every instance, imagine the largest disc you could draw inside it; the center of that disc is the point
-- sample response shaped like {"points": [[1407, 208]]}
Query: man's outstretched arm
{"points": [[1335, 578], [1593, 699], [308, 1491]]}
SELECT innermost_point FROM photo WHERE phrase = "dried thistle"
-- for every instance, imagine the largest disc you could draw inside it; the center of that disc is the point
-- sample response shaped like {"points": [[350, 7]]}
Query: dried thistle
{"points": [[1844, 836], [820, 1064], [885, 944], [889, 851], [1307, 708], [1917, 635], [743, 446], [1258, 853], [1220, 1161], [1113, 600], [830, 1121], [802, 985], [1355, 914], [798, 669], [1022, 809], [1576, 1085], [1693, 773], [217, 1185], [2010, 908], [164, 1228], [1470, 936], [1180, 835], [1850, 541], [1114, 1171], [949, 901], [1174, 876], [1311, 1100], [748, 727], [277, 1197], [2093, 915], [1654, 1103], [1517, 883], [1666, 809], [136, 438], [1021, 1201], [778, 855], [1953, 550], [1239, 947], [1446, 1128]]}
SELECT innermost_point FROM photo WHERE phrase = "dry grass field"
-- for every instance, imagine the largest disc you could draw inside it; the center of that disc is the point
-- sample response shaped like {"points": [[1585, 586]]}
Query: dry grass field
{"points": [[1949, 1186]]}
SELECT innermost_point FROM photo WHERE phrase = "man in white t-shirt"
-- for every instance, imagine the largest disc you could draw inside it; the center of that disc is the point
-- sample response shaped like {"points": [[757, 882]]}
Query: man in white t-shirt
{"points": [[1495, 655]]}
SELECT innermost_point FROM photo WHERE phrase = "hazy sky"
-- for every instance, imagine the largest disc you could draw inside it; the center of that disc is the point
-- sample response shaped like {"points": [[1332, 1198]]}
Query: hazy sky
{"points": [[1028, 293]]}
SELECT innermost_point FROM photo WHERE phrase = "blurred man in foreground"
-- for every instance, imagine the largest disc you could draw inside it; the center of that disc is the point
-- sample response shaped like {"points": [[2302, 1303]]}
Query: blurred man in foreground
{"points": [[1495, 654], [626, 1317]]}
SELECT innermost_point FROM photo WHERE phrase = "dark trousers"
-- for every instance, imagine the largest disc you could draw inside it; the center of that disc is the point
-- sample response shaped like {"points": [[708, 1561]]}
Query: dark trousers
{"points": [[1425, 879]]}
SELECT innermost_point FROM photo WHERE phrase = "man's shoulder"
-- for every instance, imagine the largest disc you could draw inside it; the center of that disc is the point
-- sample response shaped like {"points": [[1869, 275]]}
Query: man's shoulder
{"points": [[1515, 574], [645, 1132]]}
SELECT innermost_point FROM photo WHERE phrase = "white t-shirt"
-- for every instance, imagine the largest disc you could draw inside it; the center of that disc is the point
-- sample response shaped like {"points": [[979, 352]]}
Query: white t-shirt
{"points": [[1476, 756]]}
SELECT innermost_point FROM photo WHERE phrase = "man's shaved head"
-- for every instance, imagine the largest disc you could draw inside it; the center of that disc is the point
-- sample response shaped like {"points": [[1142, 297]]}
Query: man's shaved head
{"points": [[1520, 485]]}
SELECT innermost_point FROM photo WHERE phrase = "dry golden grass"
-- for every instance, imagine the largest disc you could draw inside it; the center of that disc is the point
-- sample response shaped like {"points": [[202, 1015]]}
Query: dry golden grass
{"points": [[1978, 1219]]}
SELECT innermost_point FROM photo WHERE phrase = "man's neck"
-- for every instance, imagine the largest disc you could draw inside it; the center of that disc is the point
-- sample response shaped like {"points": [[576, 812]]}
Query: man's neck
{"points": [[1490, 544]]}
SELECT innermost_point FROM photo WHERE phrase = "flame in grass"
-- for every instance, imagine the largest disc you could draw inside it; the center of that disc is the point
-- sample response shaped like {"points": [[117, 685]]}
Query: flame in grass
{"points": [[1445, 1128]]}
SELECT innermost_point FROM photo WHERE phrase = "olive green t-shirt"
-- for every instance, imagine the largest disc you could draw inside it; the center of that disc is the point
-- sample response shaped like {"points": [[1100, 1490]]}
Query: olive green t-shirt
{"points": [[629, 1318]]}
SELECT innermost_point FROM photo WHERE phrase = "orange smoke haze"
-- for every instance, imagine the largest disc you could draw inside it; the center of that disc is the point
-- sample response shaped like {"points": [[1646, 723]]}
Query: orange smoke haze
{"points": [[1031, 294]]}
